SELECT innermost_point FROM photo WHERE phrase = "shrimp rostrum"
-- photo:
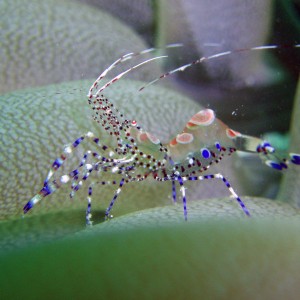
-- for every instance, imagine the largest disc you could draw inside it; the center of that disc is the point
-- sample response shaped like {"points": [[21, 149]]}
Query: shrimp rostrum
{"points": [[137, 154]]}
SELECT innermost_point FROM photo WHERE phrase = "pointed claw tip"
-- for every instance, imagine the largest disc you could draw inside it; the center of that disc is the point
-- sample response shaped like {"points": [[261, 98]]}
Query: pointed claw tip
{"points": [[295, 158], [27, 207]]}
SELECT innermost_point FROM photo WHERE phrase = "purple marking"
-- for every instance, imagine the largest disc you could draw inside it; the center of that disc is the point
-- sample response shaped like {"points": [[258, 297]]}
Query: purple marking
{"points": [[114, 199], [74, 173], [78, 141], [295, 159], [174, 191], [57, 163], [27, 207], [224, 180], [130, 168], [241, 203], [83, 160], [76, 188], [266, 144], [46, 190], [275, 165], [96, 140], [218, 146], [95, 154]]}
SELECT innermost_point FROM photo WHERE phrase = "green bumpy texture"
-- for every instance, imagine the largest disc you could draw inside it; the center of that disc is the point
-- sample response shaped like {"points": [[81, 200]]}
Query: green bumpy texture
{"points": [[44, 42]]}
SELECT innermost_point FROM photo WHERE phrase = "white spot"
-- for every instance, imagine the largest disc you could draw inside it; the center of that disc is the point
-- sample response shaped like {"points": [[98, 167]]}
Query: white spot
{"points": [[270, 149], [89, 166], [65, 178], [89, 134], [234, 113], [68, 149], [115, 169], [182, 190], [49, 175], [36, 199]]}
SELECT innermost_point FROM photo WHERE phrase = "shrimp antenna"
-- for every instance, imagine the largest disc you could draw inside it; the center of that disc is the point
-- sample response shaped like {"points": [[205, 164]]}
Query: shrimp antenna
{"points": [[95, 87], [220, 54]]}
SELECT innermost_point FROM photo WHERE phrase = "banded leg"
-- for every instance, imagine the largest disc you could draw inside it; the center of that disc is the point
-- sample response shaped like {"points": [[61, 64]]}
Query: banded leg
{"points": [[88, 214], [50, 187], [100, 165], [109, 208], [231, 190], [174, 191], [76, 183], [182, 189]]}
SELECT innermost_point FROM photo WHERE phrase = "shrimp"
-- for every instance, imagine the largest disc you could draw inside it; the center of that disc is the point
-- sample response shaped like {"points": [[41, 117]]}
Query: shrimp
{"points": [[137, 154]]}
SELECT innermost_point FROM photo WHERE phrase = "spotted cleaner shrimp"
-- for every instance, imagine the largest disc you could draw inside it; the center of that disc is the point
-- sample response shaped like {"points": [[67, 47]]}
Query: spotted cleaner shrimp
{"points": [[138, 154]]}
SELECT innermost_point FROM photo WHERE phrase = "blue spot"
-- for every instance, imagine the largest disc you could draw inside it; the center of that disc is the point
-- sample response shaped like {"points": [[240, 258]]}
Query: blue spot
{"points": [[78, 141], [96, 140], [274, 165], [57, 163], [205, 153], [46, 190], [27, 207], [266, 144], [95, 154], [295, 159], [218, 146], [74, 173]]}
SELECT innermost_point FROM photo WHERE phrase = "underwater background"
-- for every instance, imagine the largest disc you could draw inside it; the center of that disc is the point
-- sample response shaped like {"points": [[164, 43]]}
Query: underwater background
{"points": [[51, 52]]}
